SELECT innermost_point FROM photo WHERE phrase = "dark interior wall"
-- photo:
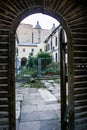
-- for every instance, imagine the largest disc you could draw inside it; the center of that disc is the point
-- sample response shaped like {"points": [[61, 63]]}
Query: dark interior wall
{"points": [[72, 14]]}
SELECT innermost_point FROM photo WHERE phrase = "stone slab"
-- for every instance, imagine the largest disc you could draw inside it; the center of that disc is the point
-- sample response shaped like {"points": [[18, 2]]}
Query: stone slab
{"points": [[47, 115], [46, 95], [29, 108], [37, 102], [58, 113], [53, 106], [50, 81], [35, 125], [50, 125], [43, 108], [32, 90], [29, 116]]}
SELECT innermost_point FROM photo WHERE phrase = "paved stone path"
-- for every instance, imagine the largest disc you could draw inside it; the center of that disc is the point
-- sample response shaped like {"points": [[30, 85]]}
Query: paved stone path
{"points": [[39, 109]]}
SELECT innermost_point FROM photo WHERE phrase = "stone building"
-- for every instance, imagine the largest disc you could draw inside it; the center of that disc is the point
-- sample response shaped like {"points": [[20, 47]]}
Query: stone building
{"points": [[28, 33], [31, 40], [52, 43]]}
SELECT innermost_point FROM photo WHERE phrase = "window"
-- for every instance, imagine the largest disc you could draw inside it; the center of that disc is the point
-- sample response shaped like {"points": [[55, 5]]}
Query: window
{"points": [[56, 41], [56, 57], [23, 49], [40, 50], [32, 50], [53, 48], [51, 44], [39, 40], [48, 47]]}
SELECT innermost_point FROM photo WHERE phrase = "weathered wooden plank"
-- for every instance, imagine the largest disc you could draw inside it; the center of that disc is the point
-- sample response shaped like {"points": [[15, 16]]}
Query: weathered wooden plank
{"points": [[62, 6], [79, 20], [80, 60], [4, 102], [76, 13], [3, 60], [3, 81], [4, 74], [4, 95], [4, 109], [5, 26], [80, 84], [80, 78], [79, 30], [80, 67], [81, 115], [80, 91], [4, 121], [79, 103], [8, 16], [3, 53], [3, 21], [3, 67], [79, 25], [8, 8], [80, 53], [79, 41], [81, 121], [22, 4], [69, 9], [80, 72], [7, 12], [81, 126], [26, 3], [81, 109], [6, 19], [79, 35], [80, 96], [16, 8], [3, 39], [5, 127], [3, 87], [4, 114], [80, 48], [4, 32]]}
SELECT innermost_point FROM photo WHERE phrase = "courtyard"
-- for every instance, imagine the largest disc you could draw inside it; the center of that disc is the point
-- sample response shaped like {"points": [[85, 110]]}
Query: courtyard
{"points": [[38, 108]]}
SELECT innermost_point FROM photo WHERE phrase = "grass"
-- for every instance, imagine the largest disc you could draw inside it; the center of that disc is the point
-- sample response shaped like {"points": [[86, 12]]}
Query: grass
{"points": [[33, 84], [27, 71]]}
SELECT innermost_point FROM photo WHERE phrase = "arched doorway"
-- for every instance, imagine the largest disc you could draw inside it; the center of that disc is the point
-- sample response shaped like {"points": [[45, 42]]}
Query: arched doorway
{"points": [[72, 16], [23, 61]]}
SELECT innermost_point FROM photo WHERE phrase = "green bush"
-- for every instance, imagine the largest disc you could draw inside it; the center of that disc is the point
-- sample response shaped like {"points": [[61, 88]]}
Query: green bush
{"points": [[53, 68], [45, 57]]}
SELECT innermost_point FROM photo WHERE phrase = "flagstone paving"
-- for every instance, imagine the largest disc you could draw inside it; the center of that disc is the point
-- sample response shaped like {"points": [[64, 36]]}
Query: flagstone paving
{"points": [[39, 109]]}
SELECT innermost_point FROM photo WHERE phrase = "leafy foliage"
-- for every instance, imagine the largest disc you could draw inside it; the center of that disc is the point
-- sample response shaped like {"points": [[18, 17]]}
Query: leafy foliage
{"points": [[46, 59]]}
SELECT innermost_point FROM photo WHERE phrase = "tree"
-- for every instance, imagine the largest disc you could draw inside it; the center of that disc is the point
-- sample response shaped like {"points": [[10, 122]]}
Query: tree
{"points": [[32, 61], [46, 58]]}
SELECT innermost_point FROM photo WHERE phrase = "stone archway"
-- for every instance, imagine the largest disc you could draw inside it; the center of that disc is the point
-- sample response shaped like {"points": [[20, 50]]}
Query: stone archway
{"points": [[73, 16]]}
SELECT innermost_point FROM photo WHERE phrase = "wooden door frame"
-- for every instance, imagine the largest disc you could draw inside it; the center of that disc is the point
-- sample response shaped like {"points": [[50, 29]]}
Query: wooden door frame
{"points": [[63, 80]]}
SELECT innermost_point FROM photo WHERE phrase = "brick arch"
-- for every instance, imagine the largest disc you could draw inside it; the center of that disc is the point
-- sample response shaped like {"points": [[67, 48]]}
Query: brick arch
{"points": [[73, 16]]}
